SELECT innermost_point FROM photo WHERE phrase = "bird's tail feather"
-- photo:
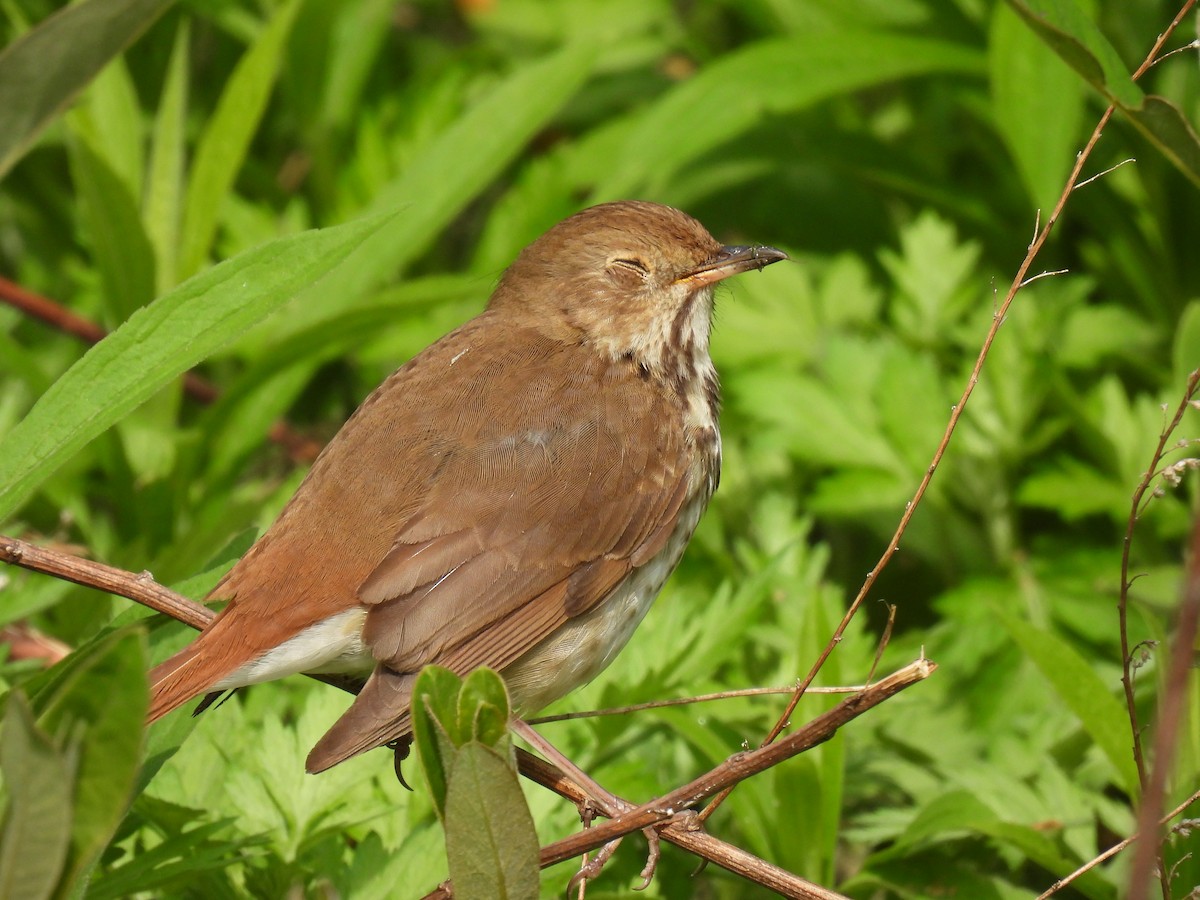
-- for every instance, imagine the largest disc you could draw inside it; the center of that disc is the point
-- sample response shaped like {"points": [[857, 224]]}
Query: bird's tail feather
{"points": [[378, 715]]}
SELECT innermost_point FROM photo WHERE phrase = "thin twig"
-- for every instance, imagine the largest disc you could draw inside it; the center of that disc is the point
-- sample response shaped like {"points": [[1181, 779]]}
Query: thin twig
{"points": [[1127, 667], [1100, 175], [1114, 850], [686, 701], [998, 318], [141, 588], [683, 832], [1170, 714], [742, 765]]}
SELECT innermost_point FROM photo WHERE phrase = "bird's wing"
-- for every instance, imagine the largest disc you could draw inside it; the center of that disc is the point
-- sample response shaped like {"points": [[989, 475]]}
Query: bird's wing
{"points": [[537, 510]]}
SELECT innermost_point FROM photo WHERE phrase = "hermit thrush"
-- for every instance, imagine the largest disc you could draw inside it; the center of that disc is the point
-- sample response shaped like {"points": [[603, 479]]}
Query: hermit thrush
{"points": [[515, 496]]}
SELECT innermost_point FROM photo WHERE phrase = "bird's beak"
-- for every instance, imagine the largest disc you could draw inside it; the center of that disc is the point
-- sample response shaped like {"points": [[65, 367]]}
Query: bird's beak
{"points": [[731, 261]]}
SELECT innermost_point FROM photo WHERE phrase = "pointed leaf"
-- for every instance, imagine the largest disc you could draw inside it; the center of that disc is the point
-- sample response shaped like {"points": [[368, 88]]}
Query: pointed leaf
{"points": [[769, 77], [1078, 41], [45, 68], [227, 137], [451, 170], [1080, 688], [163, 208], [158, 343]]}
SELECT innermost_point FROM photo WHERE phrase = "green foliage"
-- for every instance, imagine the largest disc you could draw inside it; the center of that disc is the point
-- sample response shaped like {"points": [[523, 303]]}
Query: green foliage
{"points": [[69, 757], [295, 196], [460, 728]]}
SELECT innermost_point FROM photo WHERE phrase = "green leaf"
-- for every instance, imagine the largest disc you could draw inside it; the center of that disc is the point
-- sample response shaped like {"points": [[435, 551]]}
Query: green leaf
{"points": [[483, 708], [1038, 848], [96, 708], [1186, 349], [163, 209], [767, 78], [1075, 38], [226, 138], [1038, 106], [1161, 123], [37, 818], [45, 68], [435, 718], [121, 249], [954, 811], [158, 343], [1080, 688], [490, 839]]}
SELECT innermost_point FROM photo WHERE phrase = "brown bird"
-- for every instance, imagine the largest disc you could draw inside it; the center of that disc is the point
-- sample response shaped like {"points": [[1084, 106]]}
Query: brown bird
{"points": [[514, 496]]}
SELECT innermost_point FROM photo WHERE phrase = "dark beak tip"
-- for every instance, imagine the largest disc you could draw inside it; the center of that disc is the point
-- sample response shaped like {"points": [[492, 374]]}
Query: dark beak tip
{"points": [[759, 254]]}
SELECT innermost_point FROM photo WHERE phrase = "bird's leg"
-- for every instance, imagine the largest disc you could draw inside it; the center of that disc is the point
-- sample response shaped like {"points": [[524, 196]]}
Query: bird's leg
{"points": [[592, 867]]}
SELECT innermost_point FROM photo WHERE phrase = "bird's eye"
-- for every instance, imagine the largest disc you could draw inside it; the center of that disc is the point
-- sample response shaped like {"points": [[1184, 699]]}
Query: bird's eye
{"points": [[627, 270]]}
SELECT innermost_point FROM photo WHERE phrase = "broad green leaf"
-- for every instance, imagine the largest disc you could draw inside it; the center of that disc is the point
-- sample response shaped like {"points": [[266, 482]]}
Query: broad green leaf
{"points": [[1080, 688], [770, 77], [158, 343], [954, 811], [490, 839], [45, 68], [37, 818], [97, 710], [1075, 37], [1038, 106], [226, 138], [162, 211]]}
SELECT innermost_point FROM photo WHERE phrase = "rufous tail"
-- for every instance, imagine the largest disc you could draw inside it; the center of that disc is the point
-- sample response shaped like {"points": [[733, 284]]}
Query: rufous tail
{"points": [[177, 680]]}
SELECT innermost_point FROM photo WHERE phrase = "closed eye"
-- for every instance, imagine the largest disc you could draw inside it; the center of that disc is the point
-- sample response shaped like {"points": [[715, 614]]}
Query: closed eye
{"points": [[632, 265]]}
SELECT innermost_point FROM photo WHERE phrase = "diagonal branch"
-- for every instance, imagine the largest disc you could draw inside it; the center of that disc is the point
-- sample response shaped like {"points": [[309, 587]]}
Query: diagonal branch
{"points": [[998, 317]]}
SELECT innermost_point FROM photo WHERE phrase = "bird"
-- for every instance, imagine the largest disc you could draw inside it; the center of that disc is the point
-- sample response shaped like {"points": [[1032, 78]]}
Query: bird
{"points": [[513, 496]]}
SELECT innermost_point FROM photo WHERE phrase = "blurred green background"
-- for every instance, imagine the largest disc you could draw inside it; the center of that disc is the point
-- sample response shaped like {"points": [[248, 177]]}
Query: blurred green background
{"points": [[900, 151]]}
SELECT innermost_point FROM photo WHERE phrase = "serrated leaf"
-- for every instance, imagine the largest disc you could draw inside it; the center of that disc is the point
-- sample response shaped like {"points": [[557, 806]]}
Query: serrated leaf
{"points": [[158, 343], [37, 818], [45, 68], [491, 843]]}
